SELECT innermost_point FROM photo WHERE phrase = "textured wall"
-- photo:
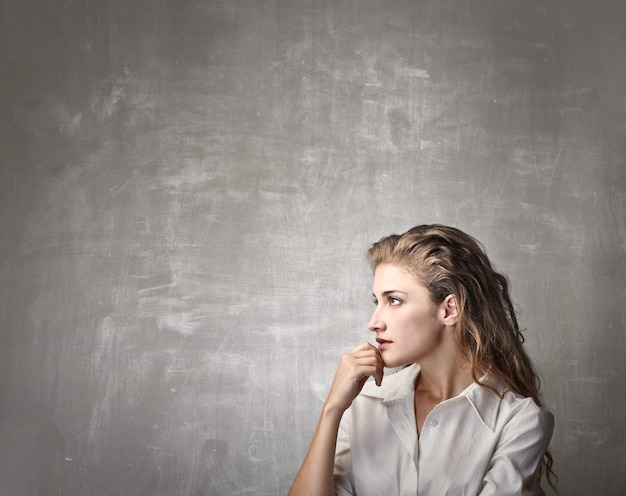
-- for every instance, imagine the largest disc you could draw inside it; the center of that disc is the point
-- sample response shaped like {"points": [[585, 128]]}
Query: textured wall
{"points": [[188, 190]]}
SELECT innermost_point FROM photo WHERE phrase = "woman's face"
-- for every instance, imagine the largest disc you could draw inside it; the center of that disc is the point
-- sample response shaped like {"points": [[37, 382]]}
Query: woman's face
{"points": [[409, 327]]}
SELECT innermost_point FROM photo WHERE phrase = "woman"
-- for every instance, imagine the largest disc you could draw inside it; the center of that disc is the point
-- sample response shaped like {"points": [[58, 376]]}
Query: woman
{"points": [[463, 415]]}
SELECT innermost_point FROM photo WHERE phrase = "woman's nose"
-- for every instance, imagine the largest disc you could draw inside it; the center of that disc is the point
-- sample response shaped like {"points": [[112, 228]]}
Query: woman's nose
{"points": [[375, 324]]}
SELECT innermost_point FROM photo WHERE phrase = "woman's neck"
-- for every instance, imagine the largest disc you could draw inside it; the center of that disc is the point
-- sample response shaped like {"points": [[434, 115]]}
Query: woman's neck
{"points": [[444, 379]]}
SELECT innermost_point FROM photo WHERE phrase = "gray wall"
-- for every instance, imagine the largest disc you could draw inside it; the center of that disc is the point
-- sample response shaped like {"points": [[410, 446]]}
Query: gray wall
{"points": [[188, 190]]}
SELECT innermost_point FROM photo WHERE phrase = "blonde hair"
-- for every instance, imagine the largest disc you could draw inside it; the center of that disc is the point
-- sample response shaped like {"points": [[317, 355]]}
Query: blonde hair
{"points": [[447, 261]]}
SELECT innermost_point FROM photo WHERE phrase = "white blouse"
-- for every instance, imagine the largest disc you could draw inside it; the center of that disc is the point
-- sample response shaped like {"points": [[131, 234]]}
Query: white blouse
{"points": [[476, 443]]}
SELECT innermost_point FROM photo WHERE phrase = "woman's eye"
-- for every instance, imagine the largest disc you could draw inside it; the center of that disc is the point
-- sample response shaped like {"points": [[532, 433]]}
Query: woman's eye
{"points": [[394, 301]]}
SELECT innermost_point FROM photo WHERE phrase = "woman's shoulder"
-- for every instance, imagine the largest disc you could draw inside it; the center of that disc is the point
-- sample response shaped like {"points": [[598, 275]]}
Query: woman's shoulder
{"points": [[522, 413], [499, 407], [523, 405]]}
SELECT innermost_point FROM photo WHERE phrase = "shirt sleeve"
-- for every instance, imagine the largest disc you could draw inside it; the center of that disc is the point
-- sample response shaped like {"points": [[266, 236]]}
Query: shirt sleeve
{"points": [[515, 467], [343, 477]]}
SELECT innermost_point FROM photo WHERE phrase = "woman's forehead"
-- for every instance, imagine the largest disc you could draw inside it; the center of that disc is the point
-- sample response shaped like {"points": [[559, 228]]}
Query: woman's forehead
{"points": [[389, 277]]}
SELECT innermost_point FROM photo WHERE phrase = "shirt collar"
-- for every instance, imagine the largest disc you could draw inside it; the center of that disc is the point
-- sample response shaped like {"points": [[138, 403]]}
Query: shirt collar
{"points": [[396, 386], [485, 401], [400, 385]]}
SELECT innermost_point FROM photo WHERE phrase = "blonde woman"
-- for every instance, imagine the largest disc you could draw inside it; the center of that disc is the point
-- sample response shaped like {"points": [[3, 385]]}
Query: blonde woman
{"points": [[463, 414]]}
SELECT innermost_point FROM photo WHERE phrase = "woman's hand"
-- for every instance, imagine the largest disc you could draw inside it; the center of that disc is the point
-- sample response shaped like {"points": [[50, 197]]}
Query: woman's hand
{"points": [[355, 367], [315, 477]]}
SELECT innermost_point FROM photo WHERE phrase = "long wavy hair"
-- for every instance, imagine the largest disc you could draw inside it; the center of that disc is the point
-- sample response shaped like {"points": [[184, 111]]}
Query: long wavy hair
{"points": [[448, 261]]}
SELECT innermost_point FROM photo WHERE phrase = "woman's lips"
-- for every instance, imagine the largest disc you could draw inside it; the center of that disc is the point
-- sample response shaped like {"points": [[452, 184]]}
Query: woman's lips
{"points": [[382, 343]]}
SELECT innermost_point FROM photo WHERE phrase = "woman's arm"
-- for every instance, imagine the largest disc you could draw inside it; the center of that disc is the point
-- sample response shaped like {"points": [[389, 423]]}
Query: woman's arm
{"points": [[515, 464], [315, 477]]}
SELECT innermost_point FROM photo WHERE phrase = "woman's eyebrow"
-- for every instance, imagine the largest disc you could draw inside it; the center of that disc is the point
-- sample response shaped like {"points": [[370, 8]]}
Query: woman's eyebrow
{"points": [[391, 291]]}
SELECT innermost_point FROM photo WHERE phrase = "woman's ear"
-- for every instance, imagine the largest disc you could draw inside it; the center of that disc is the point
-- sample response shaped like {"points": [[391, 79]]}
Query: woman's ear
{"points": [[450, 310]]}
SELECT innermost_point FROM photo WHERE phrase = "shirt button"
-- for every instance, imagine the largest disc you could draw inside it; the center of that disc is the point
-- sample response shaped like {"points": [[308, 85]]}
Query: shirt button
{"points": [[433, 423]]}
